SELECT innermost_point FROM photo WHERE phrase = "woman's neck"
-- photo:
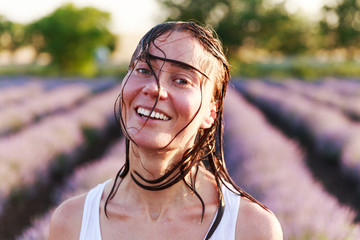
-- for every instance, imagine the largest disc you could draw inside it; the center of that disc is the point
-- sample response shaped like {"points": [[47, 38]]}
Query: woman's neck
{"points": [[153, 164], [156, 203]]}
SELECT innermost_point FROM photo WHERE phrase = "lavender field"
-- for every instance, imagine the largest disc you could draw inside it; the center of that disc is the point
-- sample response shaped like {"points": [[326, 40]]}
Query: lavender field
{"points": [[294, 145]]}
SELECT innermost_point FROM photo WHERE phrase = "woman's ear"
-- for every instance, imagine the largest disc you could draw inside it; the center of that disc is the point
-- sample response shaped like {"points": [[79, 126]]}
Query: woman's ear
{"points": [[210, 118]]}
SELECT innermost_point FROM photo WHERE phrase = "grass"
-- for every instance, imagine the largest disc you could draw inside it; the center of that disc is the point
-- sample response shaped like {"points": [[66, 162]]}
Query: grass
{"points": [[302, 68]]}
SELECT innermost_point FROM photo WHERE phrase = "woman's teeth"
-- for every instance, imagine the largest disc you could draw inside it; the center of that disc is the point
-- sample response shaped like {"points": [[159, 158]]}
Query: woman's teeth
{"points": [[155, 115]]}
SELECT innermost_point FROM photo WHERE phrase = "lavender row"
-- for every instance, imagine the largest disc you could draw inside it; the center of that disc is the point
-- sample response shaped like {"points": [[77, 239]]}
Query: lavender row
{"points": [[21, 89], [100, 170], [27, 156], [332, 135], [346, 100], [17, 115], [271, 167], [15, 93], [346, 87]]}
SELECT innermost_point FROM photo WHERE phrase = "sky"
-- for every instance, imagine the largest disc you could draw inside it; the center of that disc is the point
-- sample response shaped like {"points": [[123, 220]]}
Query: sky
{"points": [[128, 16]]}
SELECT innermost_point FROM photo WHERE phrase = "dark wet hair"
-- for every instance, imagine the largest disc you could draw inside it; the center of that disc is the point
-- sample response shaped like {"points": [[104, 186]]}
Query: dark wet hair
{"points": [[208, 147]]}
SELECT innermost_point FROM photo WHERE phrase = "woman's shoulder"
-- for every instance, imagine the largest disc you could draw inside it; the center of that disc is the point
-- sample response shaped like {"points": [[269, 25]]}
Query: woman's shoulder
{"points": [[66, 220], [254, 222]]}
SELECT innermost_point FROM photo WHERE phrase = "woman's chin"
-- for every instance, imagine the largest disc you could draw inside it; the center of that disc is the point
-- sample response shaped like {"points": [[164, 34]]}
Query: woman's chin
{"points": [[148, 143]]}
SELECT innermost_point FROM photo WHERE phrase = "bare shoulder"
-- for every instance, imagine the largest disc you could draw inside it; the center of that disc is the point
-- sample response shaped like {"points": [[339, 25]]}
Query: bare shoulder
{"points": [[66, 220], [256, 223]]}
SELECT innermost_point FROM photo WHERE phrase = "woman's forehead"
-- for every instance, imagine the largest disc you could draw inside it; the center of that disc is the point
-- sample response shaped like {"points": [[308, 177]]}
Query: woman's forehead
{"points": [[179, 46]]}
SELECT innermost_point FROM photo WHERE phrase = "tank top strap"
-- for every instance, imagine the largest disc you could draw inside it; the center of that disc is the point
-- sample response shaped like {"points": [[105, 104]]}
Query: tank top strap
{"points": [[90, 225], [227, 227]]}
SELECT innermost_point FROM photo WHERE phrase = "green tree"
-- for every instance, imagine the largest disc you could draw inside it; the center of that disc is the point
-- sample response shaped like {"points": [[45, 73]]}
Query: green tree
{"points": [[11, 35], [341, 24], [71, 35], [244, 22]]}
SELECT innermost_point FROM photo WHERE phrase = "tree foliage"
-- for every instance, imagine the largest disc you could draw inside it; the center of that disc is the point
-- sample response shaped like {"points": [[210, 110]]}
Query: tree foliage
{"points": [[71, 35], [244, 22], [11, 35], [341, 24]]}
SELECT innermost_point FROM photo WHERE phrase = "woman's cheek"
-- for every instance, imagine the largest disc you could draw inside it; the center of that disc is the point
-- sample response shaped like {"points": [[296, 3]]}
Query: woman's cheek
{"points": [[188, 104], [130, 90]]}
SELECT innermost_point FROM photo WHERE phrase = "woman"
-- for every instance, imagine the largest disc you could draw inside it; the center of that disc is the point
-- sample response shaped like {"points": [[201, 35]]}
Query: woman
{"points": [[174, 184]]}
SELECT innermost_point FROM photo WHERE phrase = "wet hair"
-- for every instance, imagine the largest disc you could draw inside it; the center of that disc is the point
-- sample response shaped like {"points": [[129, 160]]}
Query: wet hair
{"points": [[207, 150]]}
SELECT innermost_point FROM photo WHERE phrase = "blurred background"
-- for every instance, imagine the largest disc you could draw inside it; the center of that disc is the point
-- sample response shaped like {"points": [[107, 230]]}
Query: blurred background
{"points": [[278, 38], [292, 111]]}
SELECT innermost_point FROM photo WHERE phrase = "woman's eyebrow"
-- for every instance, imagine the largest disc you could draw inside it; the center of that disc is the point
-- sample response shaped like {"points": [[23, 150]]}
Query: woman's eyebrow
{"points": [[180, 64]]}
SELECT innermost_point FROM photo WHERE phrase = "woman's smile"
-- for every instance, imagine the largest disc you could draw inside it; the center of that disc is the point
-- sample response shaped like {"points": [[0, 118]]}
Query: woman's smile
{"points": [[154, 115]]}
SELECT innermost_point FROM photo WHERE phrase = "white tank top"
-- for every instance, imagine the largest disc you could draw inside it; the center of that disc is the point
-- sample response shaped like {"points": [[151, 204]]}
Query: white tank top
{"points": [[90, 226]]}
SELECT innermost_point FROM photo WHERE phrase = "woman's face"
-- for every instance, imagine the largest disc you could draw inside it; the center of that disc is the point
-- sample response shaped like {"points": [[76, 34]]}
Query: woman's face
{"points": [[185, 95]]}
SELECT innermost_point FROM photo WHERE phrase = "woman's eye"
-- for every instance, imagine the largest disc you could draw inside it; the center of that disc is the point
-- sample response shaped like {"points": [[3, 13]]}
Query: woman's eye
{"points": [[182, 81], [143, 71]]}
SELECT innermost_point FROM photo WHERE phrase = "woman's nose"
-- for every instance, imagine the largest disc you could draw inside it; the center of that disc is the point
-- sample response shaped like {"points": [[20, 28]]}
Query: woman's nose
{"points": [[151, 89]]}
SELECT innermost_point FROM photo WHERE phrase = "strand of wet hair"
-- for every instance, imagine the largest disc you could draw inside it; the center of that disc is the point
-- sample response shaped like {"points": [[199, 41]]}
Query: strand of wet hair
{"points": [[221, 203], [173, 180], [118, 178], [192, 187]]}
